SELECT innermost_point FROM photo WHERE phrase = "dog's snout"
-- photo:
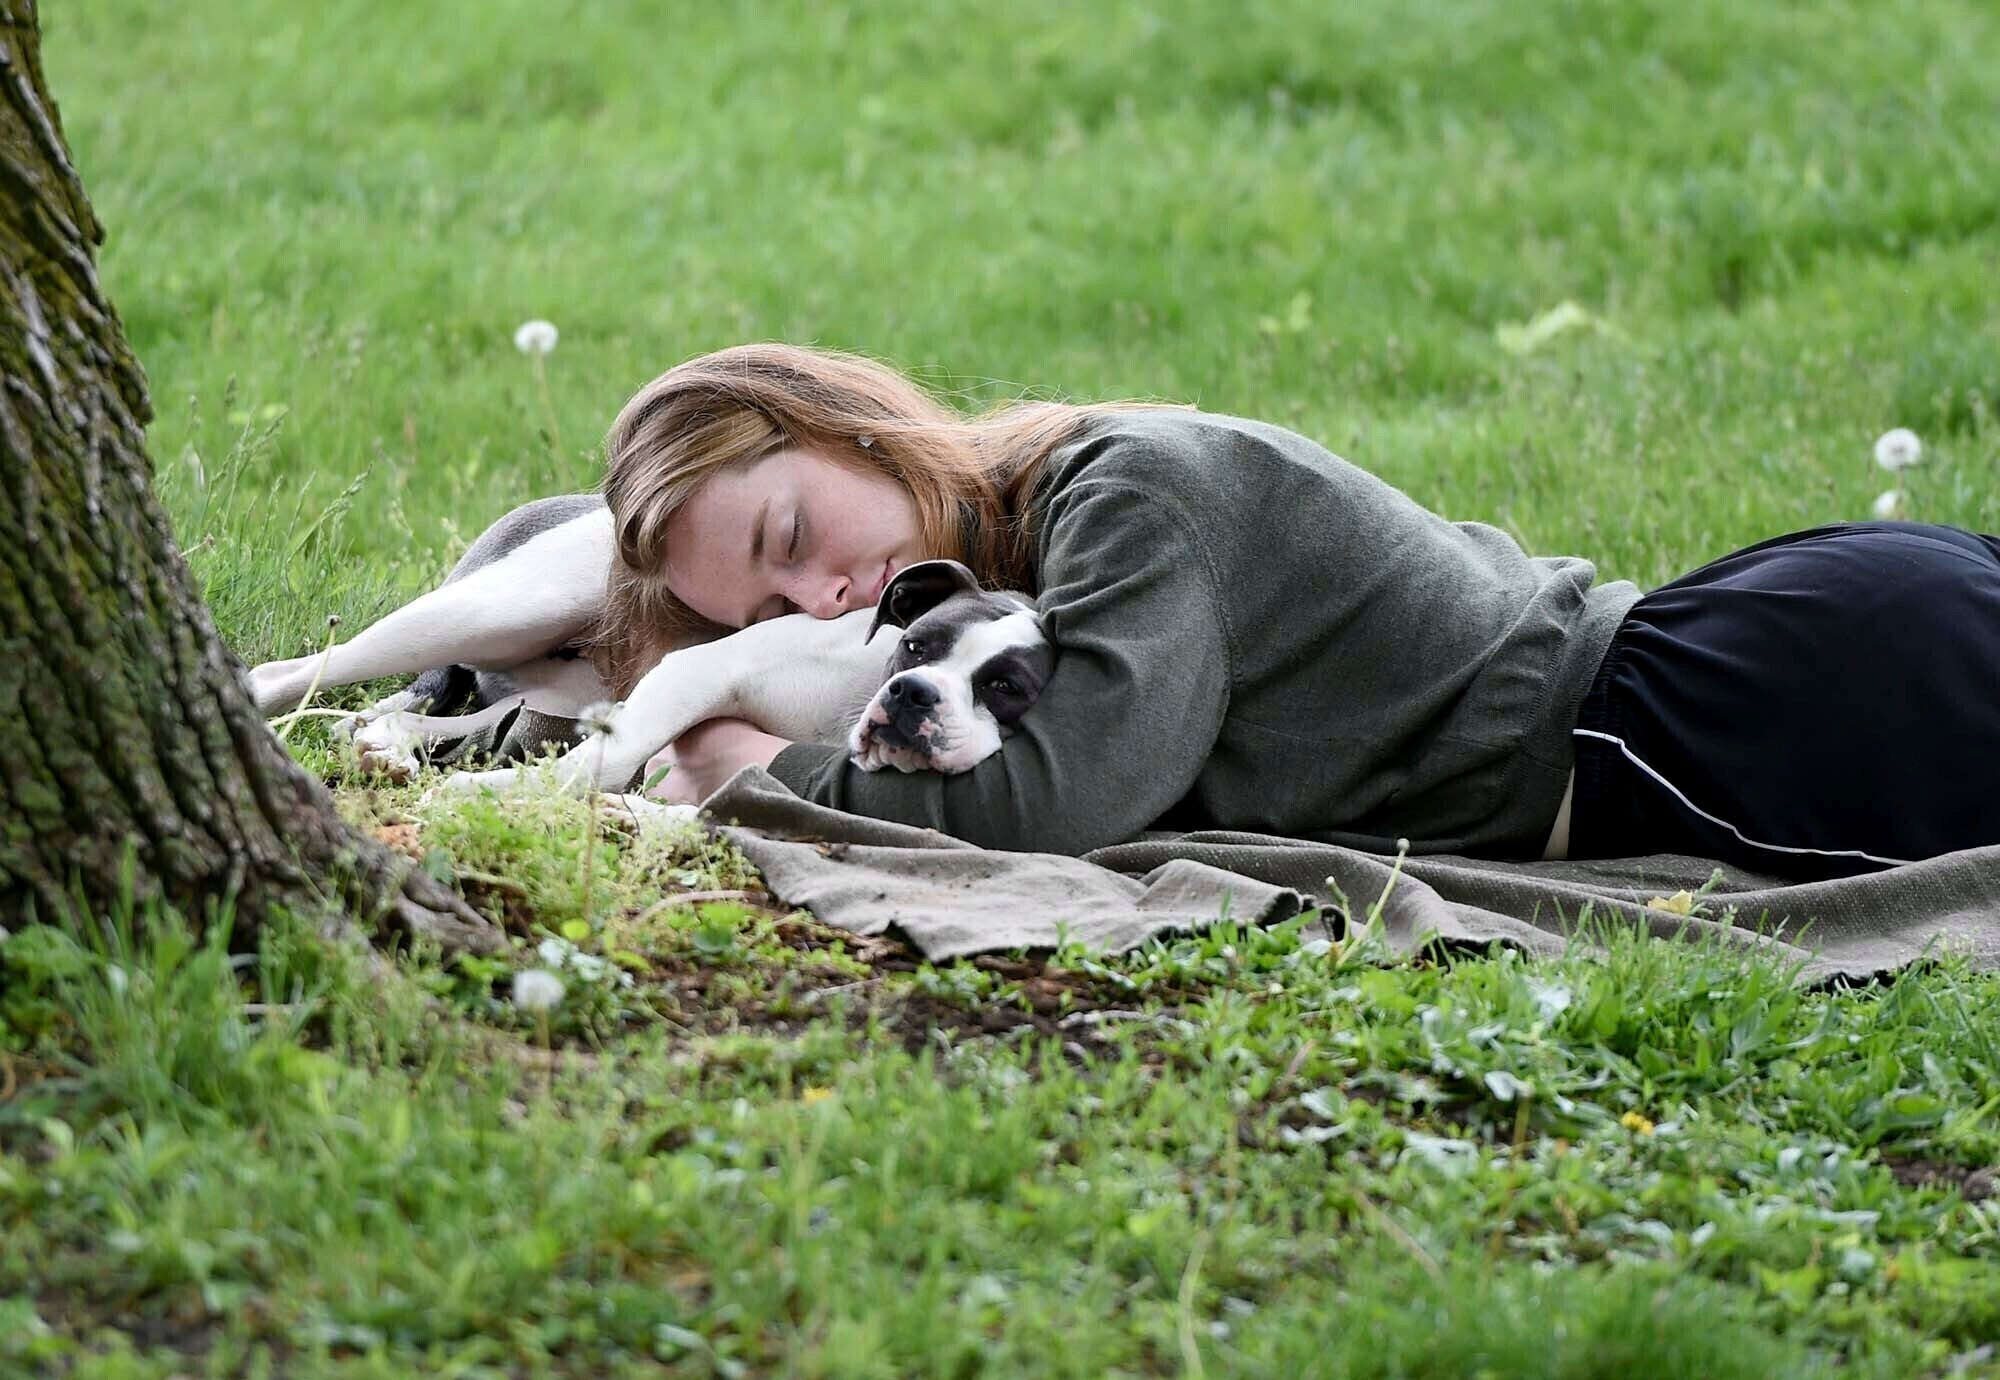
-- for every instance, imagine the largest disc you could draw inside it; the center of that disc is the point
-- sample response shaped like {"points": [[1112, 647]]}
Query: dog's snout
{"points": [[909, 692]]}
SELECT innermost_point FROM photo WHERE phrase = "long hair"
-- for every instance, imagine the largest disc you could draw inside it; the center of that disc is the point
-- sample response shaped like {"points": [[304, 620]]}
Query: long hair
{"points": [[970, 477]]}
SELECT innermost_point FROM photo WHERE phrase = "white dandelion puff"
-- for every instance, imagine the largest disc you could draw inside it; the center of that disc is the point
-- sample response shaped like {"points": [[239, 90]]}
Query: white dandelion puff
{"points": [[598, 716], [1898, 449], [537, 990], [535, 337], [1889, 504]]}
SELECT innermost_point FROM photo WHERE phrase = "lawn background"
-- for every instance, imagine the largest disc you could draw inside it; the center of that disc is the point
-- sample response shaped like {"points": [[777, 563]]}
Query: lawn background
{"points": [[1315, 214], [324, 223]]}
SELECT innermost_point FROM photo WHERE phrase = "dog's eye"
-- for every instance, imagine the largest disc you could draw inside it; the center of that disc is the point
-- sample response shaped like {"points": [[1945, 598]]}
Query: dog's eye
{"points": [[1000, 685], [913, 647]]}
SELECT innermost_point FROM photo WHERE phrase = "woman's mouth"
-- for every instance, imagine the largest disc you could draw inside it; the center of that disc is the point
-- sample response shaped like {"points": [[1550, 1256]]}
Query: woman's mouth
{"points": [[888, 573]]}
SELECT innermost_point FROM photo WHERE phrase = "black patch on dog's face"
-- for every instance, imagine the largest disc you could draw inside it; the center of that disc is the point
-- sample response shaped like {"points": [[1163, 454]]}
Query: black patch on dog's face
{"points": [[1010, 683]]}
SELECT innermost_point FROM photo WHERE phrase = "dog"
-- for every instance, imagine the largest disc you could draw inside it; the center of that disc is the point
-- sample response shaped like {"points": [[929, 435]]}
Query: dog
{"points": [[934, 678]]}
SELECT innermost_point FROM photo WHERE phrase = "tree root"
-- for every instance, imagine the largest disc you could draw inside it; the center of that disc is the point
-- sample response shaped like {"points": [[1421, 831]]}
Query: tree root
{"points": [[392, 888], [424, 908]]}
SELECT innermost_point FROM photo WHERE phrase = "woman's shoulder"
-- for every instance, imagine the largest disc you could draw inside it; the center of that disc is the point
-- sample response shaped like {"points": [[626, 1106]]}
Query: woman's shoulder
{"points": [[1171, 428], [1201, 456]]}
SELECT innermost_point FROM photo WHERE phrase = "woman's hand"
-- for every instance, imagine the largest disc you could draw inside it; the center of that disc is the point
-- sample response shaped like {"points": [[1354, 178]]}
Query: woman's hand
{"points": [[709, 754]]}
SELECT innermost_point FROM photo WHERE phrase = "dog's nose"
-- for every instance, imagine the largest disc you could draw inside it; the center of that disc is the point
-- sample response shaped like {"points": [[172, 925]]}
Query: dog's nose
{"points": [[912, 692]]}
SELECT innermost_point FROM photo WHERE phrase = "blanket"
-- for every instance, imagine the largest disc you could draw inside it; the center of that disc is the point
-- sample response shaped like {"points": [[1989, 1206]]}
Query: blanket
{"points": [[949, 898]]}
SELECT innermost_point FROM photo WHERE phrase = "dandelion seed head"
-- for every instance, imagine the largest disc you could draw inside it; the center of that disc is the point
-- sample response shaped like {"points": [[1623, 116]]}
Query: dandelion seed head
{"points": [[597, 716], [1898, 449], [535, 337], [537, 990], [1889, 504]]}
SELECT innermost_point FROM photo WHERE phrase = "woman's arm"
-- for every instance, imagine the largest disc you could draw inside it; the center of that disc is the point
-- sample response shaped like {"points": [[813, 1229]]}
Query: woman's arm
{"points": [[709, 754], [1125, 723]]}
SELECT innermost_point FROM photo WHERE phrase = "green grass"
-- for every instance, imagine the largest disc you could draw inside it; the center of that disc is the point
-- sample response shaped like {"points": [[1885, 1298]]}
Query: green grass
{"points": [[745, 1144]]}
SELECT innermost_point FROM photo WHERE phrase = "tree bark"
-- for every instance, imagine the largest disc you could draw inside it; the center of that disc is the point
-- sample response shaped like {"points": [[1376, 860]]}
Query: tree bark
{"points": [[125, 728]]}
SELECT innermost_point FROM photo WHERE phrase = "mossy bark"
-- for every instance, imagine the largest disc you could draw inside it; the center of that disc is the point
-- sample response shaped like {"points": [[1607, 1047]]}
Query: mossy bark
{"points": [[124, 727]]}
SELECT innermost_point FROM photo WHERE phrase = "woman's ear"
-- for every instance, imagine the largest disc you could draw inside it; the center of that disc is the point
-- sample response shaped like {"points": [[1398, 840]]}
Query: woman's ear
{"points": [[919, 588]]}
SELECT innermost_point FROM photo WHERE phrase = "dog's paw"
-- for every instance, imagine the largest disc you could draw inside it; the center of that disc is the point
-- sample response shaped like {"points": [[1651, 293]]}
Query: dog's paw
{"points": [[870, 755], [387, 744]]}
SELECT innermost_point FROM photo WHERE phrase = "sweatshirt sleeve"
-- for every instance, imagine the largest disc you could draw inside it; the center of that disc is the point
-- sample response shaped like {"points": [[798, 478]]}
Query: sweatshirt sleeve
{"points": [[1126, 720]]}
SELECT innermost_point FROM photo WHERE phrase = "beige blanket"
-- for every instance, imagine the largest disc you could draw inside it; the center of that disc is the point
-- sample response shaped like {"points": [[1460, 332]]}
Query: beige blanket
{"points": [[949, 898]]}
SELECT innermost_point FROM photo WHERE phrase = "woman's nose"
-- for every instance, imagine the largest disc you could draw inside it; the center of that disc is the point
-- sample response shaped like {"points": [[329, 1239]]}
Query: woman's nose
{"points": [[823, 596]]}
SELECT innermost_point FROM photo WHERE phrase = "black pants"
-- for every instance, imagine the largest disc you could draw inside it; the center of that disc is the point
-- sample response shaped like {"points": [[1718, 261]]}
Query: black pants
{"points": [[1820, 704]]}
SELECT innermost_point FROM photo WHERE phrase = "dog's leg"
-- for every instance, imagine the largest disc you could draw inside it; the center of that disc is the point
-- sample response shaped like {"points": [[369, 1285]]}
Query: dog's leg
{"points": [[390, 744], [344, 728], [553, 684], [523, 605], [686, 687], [784, 675], [392, 735]]}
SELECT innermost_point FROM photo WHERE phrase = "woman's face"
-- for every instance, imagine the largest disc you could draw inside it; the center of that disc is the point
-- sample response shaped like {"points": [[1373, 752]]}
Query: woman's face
{"points": [[793, 533]]}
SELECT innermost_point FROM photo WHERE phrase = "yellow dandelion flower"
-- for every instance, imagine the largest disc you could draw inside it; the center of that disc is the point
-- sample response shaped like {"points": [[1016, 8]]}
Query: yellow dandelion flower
{"points": [[1633, 1121], [1680, 903], [815, 1094]]}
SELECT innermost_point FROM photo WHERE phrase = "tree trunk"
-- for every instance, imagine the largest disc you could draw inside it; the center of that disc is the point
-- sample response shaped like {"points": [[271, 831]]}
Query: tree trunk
{"points": [[124, 725]]}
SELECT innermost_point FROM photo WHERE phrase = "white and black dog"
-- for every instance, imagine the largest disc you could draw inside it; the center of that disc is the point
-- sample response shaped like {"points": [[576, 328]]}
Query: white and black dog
{"points": [[501, 633]]}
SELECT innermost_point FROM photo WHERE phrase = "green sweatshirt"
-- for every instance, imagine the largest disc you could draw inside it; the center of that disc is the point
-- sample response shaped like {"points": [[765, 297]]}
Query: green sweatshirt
{"points": [[1254, 634]]}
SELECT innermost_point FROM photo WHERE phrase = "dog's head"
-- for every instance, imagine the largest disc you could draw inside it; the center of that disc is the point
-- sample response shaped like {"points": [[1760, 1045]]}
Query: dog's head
{"points": [[969, 664]]}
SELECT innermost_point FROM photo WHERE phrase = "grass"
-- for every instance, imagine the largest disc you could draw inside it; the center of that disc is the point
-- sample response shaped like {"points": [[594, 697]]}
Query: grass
{"points": [[746, 1144]]}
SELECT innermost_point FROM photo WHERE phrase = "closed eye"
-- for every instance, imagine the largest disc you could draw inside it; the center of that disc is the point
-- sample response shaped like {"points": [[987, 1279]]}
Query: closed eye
{"points": [[798, 530]]}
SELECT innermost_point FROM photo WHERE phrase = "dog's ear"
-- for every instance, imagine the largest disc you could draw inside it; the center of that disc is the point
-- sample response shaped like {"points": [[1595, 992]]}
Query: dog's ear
{"points": [[917, 589]]}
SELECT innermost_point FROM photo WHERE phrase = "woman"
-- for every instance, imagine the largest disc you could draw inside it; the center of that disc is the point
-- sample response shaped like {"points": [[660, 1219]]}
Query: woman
{"points": [[1253, 634]]}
